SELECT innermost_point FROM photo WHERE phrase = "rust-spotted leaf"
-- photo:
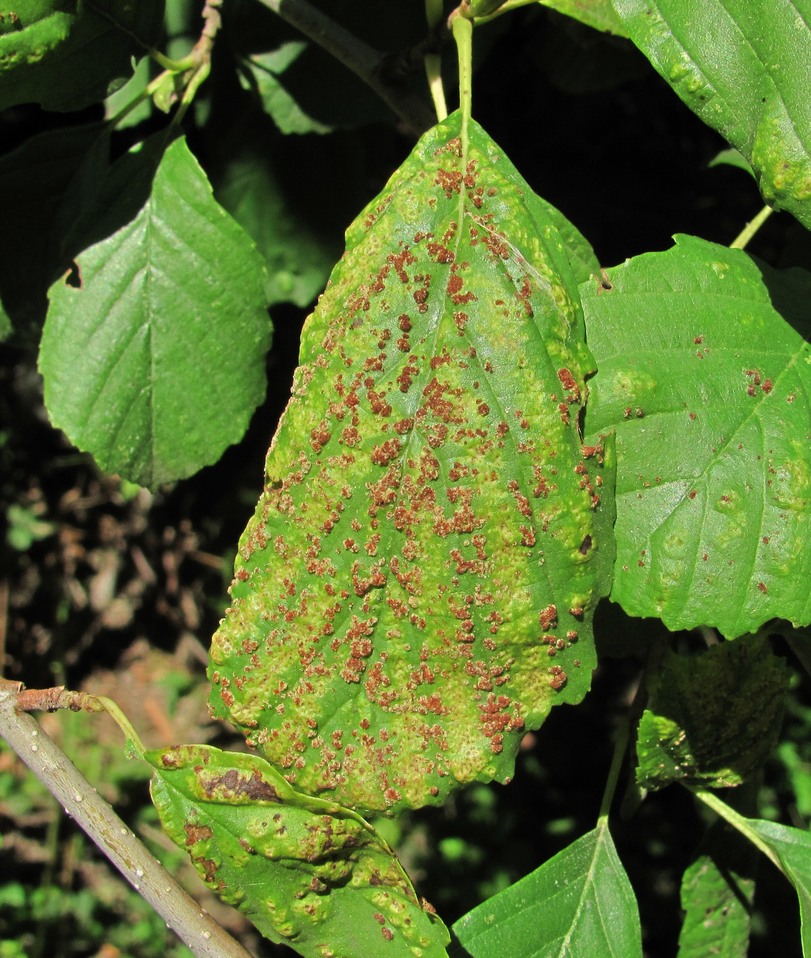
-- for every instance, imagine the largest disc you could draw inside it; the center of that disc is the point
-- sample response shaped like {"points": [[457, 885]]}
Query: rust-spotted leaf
{"points": [[416, 587], [307, 872]]}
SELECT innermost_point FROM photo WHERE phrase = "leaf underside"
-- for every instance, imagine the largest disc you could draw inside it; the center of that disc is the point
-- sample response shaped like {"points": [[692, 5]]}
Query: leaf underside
{"points": [[416, 587], [308, 873]]}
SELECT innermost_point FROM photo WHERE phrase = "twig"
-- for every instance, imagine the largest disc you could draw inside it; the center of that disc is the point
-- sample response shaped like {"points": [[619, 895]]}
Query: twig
{"points": [[363, 60], [81, 801]]}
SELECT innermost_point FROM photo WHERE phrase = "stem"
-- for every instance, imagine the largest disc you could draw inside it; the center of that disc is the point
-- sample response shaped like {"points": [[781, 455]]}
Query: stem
{"points": [[433, 61], [739, 822], [80, 800], [462, 29], [363, 60], [620, 747], [504, 8], [751, 228]]}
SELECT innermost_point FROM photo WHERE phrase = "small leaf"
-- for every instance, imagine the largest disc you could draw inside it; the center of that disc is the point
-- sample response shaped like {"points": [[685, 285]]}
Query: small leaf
{"points": [[152, 353], [732, 157], [745, 69], [417, 585], [717, 893], [308, 873], [713, 718], [705, 375], [67, 56], [267, 73], [578, 903]]}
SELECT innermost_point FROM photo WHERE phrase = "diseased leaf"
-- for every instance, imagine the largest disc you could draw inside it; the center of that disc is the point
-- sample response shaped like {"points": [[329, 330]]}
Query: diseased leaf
{"points": [[713, 719], [745, 69], [308, 873], [156, 370], [66, 56], [717, 894], [711, 410], [580, 902], [416, 587]]}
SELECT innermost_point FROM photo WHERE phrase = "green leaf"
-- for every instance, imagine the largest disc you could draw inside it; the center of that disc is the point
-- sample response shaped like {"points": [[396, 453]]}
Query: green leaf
{"points": [[66, 56], [416, 587], [578, 903], [788, 848], [267, 72], [745, 69], [717, 894], [298, 249], [732, 157], [308, 873], [705, 375], [713, 718], [152, 354], [599, 14]]}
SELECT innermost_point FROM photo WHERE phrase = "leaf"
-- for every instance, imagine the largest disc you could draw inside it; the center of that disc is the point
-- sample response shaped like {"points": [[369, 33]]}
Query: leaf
{"points": [[578, 903], [788, 848], [717, 894], [299, 250], [416, 587], [705, 375], [267, 71], [733, 158], [67, 56], [308, 873], [792, 849], [153, 360], [599, 14], [714, 718], [745, 69]]}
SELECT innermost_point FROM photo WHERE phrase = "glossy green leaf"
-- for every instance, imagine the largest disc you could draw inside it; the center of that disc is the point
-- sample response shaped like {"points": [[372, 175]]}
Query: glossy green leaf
{"points": [[717, 894], [578, 903], [308, 873], [156, 368], [66, 56], [714, 718], [745, 69], [599, 14], [705, 375], [416, 587]]}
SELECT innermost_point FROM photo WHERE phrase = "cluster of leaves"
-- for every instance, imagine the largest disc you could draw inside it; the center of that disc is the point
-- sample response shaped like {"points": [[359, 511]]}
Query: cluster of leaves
{"points": [[458, 478]]}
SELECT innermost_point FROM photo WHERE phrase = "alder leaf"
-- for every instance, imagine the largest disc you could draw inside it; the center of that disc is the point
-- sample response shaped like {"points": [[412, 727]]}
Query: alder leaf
{"points": [[705, 375], [416, 588], [308, 873], [580, 902], [152, 352]]}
